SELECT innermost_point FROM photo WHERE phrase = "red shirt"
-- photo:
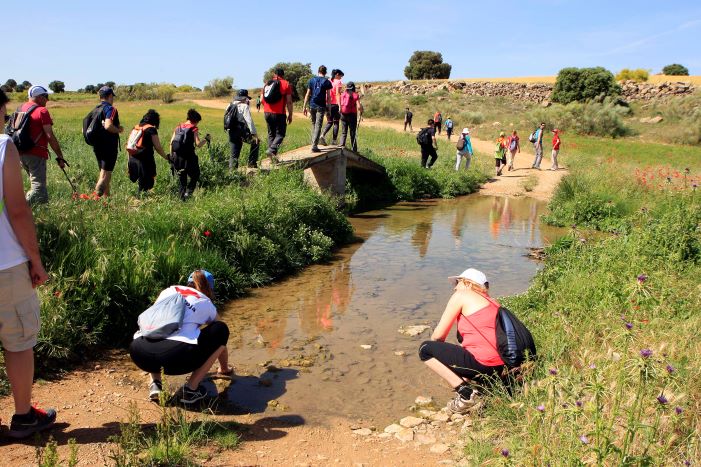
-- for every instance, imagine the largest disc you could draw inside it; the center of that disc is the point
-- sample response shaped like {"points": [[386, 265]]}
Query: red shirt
{"points": [[37, 120], [556, 142], [479, 334], [279, 106]]}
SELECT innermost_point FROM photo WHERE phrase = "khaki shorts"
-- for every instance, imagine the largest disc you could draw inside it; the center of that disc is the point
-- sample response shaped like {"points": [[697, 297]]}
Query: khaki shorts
{"points": [[19, 309]]}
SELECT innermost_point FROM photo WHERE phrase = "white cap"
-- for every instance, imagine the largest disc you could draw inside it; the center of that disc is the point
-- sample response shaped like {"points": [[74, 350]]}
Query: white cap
{"points": [[465, 131], [35, 91], [472, 275]]}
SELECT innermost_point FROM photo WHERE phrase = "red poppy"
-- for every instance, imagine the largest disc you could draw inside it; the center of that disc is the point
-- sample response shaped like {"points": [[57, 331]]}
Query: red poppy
{"points": [[207, 233]]}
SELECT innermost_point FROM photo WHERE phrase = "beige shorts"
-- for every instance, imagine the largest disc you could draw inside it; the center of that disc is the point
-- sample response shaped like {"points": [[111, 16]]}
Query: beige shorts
{"points": [[19, 309]]}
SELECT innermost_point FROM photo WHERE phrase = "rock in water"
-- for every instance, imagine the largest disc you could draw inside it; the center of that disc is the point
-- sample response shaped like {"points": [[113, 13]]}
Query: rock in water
{"points": [[411, 422], [423, 401], [413, 330]]}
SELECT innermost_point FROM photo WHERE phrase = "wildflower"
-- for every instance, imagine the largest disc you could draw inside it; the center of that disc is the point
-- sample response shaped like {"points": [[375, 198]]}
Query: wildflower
{"points": [[670, 369], [579, 404], [505, 452], [592, 366], [206, 233], [540, 408], [553, 371], [687, 170], [584, 439], [642, 278], [678, 410], [646, 353], [662, 399], [629, 326], [687, 462]]}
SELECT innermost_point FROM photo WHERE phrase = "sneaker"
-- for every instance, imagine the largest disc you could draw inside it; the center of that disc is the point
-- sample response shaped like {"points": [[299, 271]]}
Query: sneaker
{"points": [[315, 149], [334, 143], [154, 391], [463, 406], [190, 396], [270, 152], [33, 422], [322, 141]]}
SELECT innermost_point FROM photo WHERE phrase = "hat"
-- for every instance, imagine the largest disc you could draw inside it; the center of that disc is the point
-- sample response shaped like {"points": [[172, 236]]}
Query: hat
{"points": [[465, 131], [36, 91], [472, 275], [106, 91], [502, 134], [350, 85], [555, 130], [242, 93], [207, 274]]}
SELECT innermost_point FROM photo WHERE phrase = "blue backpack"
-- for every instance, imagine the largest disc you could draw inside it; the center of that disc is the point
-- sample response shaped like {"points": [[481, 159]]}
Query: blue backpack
{"points": [[318, 95], [164, 318]]}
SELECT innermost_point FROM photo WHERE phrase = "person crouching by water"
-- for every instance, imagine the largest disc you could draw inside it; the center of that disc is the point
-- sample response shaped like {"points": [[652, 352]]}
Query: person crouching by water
{"points": [[461, 365], [190, 349]]}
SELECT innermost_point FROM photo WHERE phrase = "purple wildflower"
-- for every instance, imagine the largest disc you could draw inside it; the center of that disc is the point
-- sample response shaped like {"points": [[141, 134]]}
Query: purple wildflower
{"points": [[646, 353], [584, 439], [662, 399], [540, 408], [629, 326], [642, 278], [592, 366], [553, 371], [687, 463], [678, 410], [579, 404], [670, 369], [505, 452]]}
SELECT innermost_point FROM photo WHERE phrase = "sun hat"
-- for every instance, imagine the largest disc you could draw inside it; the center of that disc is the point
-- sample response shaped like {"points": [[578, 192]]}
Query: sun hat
{"points": [[502, 134], [465, 131], [207, 274], [472, 275], [36, 91]]}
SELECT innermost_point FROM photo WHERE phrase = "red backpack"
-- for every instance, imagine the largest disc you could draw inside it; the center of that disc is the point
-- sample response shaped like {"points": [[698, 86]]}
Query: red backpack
{"points": [[348, 103]]}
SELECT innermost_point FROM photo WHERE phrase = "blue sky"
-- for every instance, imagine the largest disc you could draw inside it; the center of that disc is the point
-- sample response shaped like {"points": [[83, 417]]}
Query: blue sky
{"points": [[82, 42]]}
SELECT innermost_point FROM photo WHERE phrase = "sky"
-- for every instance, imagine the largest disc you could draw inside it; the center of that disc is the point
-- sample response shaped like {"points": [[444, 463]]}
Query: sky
{"points": [[184, 42]]}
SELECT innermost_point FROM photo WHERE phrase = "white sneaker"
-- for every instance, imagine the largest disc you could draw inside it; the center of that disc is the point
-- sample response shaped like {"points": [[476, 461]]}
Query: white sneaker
{"points": [[463, 406]]}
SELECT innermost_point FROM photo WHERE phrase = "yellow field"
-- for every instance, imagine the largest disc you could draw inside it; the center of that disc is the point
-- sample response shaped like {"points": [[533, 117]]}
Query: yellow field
{"points": [[696, 80]]}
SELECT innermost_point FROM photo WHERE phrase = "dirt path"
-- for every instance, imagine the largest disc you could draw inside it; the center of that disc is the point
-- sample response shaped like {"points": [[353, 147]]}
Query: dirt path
{"points": [[541, 183]]}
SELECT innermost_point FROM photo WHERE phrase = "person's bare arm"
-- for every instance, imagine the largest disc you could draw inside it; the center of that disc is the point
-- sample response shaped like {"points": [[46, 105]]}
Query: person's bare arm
{"points": [[290, 108], [450, 314], [306, 100], [53, 142], [111, 127], [157, 146], [20, 215], [359, 107]]}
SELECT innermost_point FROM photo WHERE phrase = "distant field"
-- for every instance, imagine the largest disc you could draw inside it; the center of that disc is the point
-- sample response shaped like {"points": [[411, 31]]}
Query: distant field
{"points": [[551, 79]]}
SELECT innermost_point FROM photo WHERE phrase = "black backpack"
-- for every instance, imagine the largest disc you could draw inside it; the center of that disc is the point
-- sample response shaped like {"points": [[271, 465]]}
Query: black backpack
{"points": [[93, 131], [423, 137], [272, 91], [183, 144], [231, 117], [18, 128]]}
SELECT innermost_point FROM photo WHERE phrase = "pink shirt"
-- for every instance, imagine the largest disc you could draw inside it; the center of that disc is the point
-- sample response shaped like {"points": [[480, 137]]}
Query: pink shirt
{"points": [[479, 334], [336, 83]]}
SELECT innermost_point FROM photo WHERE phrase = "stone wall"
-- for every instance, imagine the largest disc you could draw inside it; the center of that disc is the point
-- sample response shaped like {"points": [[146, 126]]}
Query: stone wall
{"points": [[531, 92]]}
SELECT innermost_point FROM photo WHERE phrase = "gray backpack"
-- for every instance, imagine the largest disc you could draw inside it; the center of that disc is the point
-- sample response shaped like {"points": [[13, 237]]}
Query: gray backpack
{"points": [[164, 318]]}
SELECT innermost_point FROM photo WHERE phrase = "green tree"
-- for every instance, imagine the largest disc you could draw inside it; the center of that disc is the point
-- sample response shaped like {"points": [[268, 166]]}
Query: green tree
{"points": [[20, 88], [26, 84], [110, 84], [583, 84], [57, 86], [219, 87], [425, 64], [296, 73], [10, 84], [90, 89], [675, 69]]}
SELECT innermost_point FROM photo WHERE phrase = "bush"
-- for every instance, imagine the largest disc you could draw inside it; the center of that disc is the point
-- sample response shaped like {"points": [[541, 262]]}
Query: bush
{"points": [[425, 64], [591, 118], [57, 86], [583, 84], [296, 73], [9, 85], [418, 100], [675, 69], [638, 75], [219, 87], [166, 92], [92, 89], [473, 118]]}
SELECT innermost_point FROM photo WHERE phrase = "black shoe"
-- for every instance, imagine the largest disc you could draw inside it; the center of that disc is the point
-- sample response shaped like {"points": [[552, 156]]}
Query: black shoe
{"points": [[190, 396], [315, 149], [33, 422]]}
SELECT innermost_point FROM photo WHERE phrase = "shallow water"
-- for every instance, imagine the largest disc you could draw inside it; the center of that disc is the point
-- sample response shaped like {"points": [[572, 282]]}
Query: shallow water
{"points": [[316, 322]]}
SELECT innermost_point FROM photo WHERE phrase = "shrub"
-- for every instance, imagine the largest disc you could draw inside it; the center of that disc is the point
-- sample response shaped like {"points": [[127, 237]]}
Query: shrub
{"points": [[583, 84], [425, 64], [638, 75], [418, 100], [219, 87], [92, 89], [166, 92], [675, 69], [10, 85], [296, 73], [472, 118], [591, 118], [57, 86]]}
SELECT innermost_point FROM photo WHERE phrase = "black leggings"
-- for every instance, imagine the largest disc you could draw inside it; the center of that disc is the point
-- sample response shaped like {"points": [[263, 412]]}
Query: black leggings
{"points": [[459, 360], [175, 357]]}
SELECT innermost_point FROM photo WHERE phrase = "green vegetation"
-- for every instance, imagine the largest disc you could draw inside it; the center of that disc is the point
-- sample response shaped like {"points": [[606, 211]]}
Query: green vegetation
{"points": [[675, 69], [590, 118], [583, 84], [219, 87], [424, 64], [57, 86], [637, 74]]}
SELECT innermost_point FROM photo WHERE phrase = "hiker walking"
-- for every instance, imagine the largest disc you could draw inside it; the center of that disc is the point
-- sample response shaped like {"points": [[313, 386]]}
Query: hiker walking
{"points": [[277, 97], [448, 127], [407, 119], [188, 349], [258, 104], [464, 149], [316, 98], [185, 139], [34, 150], [351, 110], [242, 129], [334, 111], [500, 153], [22, 271], [426, 137], [476, 358], [514, 145], [102, 133], [537, 140], [556, 149], [143, 142], [437, 122]]}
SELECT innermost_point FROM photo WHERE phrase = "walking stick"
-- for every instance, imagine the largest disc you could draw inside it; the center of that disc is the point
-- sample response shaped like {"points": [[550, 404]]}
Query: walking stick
{"points": [[69, 179]]}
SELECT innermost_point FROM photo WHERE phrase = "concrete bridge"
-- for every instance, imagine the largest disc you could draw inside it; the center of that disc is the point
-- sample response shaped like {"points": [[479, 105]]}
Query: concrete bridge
{"points": [[325, 170]]}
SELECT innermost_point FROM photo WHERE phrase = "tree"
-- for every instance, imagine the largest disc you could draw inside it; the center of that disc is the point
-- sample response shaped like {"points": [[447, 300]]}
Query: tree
{"points": [[425, 64], [6, 88], [298, 75], [110, 84], [26, 84], [57, 86], [11, 84], [90, 89], [219, 87], [20, 88], [675, 69], [583, 84]]}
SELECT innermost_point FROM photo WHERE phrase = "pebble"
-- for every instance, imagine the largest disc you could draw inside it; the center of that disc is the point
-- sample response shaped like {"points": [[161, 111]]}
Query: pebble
{"points": [[456, 417], [399, 353], [365, 346], [423, 400], [424, 439], [411, 422], [405, 435], [439, 448], [384, 435], [415, 330], [426, 413], [363, 432], [393, 428], [446, 462], [440, 417]]}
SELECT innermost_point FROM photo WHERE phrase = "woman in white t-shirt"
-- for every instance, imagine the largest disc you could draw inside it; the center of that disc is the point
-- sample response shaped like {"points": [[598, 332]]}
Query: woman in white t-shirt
{"points": [[190, 349]]}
